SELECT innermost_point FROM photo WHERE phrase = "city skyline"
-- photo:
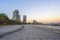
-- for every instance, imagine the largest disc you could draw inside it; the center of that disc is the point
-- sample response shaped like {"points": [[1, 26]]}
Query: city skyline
{"points": [[45, 11]]}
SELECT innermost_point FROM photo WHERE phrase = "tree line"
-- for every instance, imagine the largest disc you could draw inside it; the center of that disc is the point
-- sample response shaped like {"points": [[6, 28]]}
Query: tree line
{"points": [[4, 20]]}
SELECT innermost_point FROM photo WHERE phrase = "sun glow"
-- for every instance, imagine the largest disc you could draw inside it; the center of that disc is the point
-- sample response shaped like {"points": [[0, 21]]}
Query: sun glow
{"points": [[46, 20]]}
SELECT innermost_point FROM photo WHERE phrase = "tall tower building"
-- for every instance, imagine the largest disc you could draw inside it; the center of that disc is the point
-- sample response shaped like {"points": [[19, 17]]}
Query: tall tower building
{"points": [[24, 18], [16, 15]]}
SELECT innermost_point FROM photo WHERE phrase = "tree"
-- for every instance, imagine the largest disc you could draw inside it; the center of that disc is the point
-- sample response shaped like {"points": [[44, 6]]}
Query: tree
{"points": [[3, 18]]}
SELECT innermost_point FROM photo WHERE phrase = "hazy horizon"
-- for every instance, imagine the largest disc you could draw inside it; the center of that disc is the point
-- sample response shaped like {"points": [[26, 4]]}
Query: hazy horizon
{"points": [[45, 11]]}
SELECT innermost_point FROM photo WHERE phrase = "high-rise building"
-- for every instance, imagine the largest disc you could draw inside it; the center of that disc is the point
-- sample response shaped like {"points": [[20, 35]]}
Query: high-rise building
{"points": [[16, 15], [24, 18]]}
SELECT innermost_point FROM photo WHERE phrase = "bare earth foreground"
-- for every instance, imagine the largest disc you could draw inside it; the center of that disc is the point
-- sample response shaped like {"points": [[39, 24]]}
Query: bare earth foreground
{"points": [[32, 32]]}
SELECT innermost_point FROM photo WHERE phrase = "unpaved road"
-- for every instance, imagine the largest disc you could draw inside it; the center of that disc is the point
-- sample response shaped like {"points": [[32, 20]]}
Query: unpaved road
{"points": [[32, 32]]}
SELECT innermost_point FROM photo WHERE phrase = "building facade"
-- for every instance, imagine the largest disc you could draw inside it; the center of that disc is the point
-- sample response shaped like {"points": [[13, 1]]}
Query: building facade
{"points": [[16, 15], [24, 18]]}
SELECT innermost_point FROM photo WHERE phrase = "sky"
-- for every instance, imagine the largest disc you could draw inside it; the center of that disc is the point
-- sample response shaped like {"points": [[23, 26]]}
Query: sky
{"points": [[45, 11]]}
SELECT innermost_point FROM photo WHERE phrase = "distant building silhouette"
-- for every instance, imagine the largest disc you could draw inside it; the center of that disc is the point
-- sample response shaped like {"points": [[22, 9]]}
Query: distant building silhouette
{"points": [[16, 15], [24, 18]]}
